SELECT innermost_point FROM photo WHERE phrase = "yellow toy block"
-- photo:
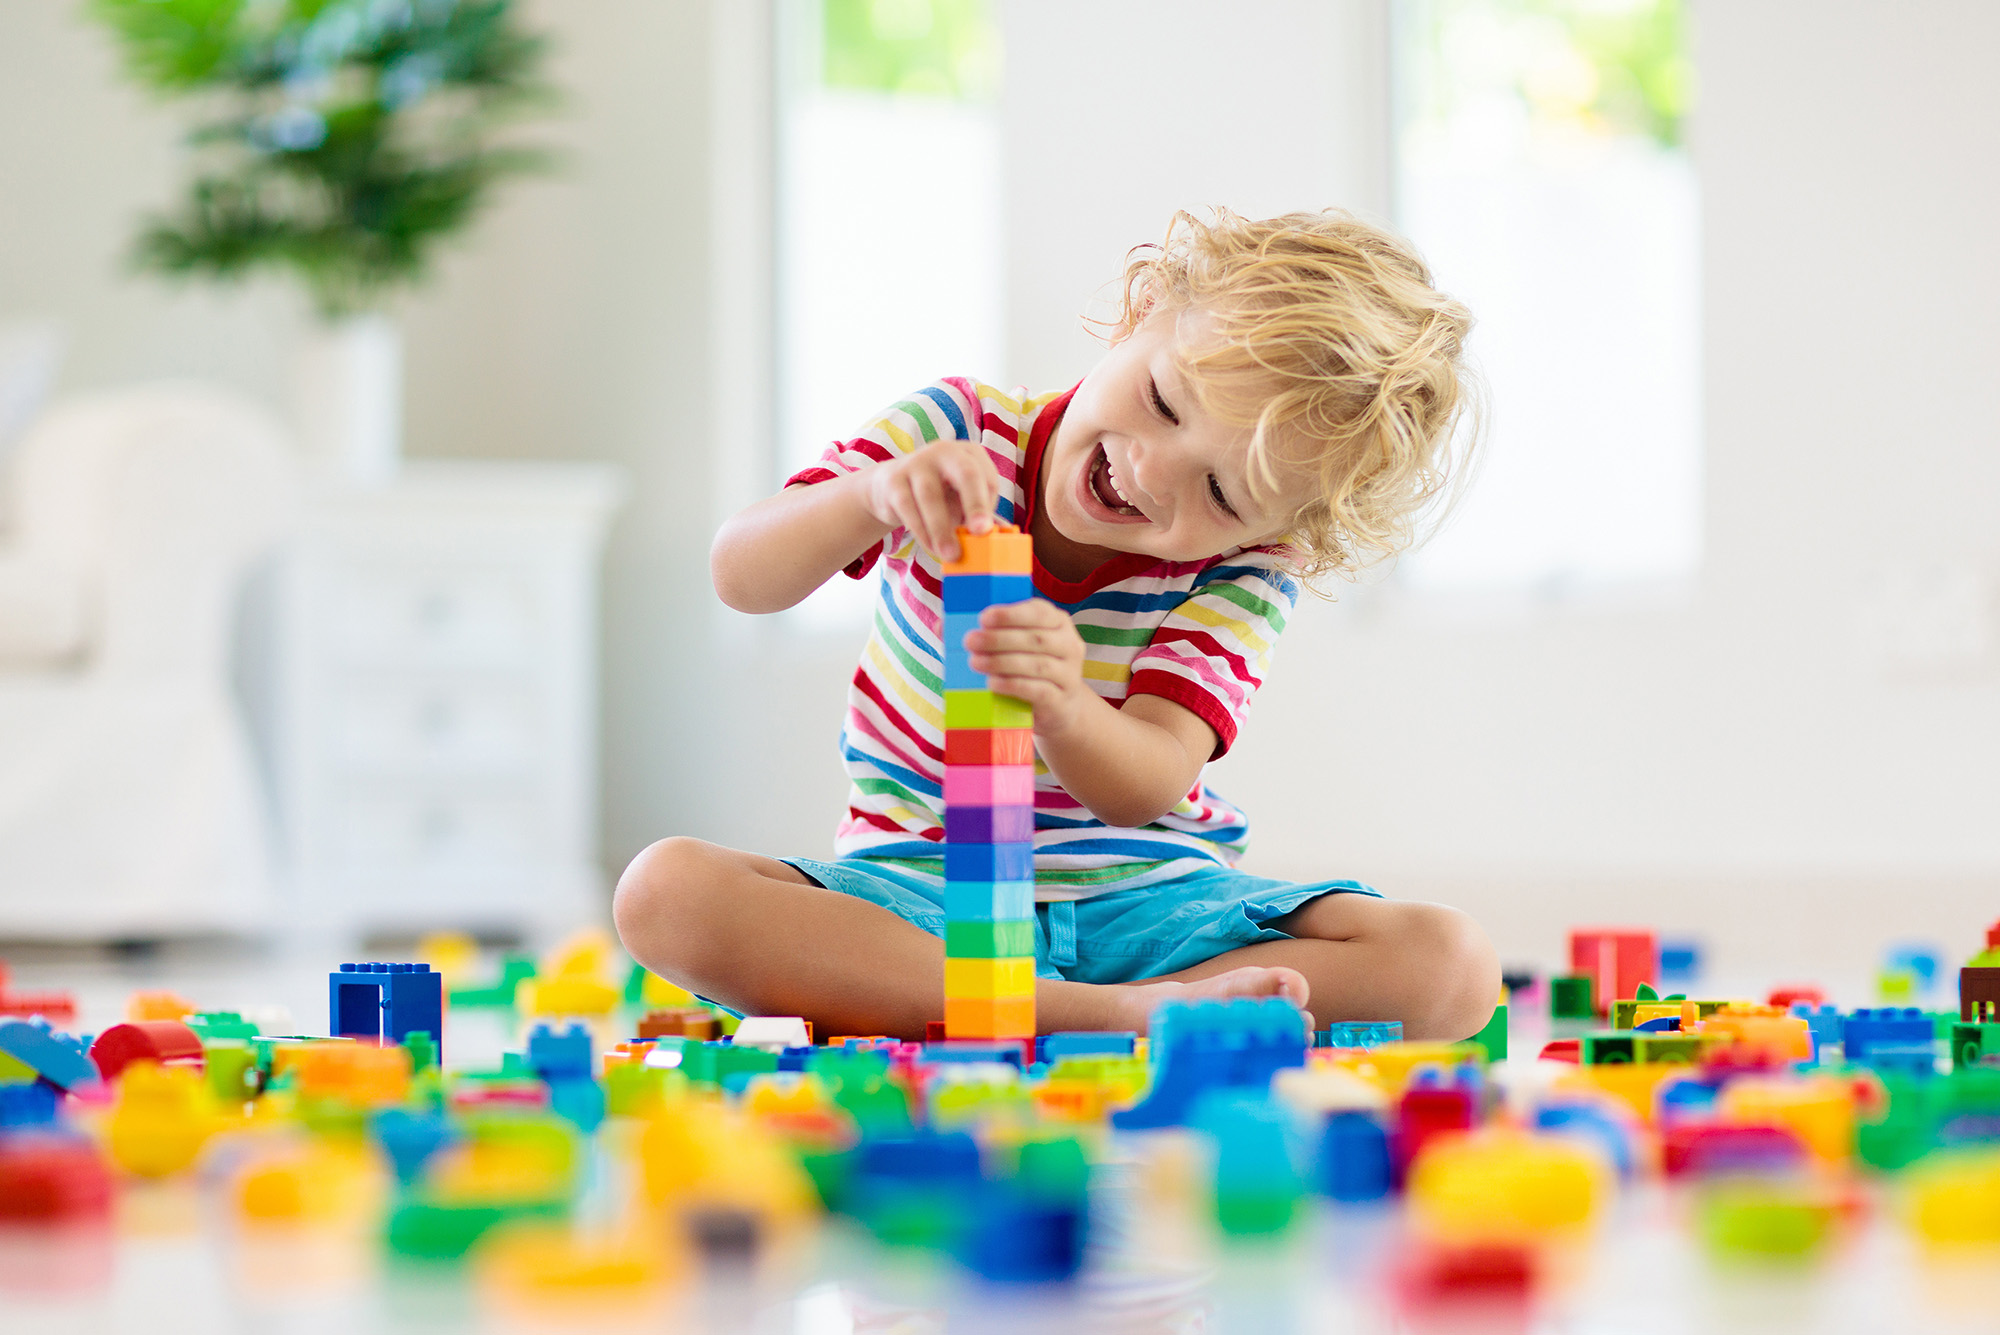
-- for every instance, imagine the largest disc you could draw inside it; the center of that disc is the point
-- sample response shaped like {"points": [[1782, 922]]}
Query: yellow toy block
{"points": [[1389, 1065], [567, 994], [1819, 1110], [1001, 550], [990, 979], [1636, 1085], [1953, 1198], [1008, 1017], [1501, 1185]]}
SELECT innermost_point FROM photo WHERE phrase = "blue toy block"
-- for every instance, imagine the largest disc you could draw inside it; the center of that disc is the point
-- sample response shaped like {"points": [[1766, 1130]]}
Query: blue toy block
{"points": [[1685, 1098], [579, 1100], [1589, 1121], [1353, 1164], [1359, 1034], [1920, 961], [976, 593], [995, 901], [1680, 961], [1014, 1241], [941, 1157], [23, 1106], [1011, 824], [989, 862], [1665, 1024], [561, 1056], [410, 1139], [1257, 1186], [1208, 1045], [1087, 1043], [1895, 1036], [386, 1002], [974, 1050], [958, 673], [1824, 1021], [56, 1057]]}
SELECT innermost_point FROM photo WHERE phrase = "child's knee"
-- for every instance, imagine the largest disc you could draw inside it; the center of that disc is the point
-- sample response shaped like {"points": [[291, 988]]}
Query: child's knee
{"points": [[658, 905], [1461, 968]]}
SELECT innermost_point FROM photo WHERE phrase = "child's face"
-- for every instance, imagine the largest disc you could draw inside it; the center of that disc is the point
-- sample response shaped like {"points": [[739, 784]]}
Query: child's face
{"points": [[1137, 465]]}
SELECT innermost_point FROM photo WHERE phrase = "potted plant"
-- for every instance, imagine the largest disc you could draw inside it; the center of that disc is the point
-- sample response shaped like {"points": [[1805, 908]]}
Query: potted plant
{"points": [[340, 142]]}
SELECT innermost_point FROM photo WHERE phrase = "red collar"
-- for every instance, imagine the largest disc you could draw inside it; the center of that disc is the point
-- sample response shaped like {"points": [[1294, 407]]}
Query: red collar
{"points": [[1123, 566]]}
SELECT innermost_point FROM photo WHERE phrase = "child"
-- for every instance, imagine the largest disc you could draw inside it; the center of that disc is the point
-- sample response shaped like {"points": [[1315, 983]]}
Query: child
{"points": [[1278, 400]]}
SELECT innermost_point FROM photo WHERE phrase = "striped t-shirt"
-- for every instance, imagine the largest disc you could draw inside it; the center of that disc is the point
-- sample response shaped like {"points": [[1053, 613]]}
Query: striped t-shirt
{"points": [[1198, 633]]}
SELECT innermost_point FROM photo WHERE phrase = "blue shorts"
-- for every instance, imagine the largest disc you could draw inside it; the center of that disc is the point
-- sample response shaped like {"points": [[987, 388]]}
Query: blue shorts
{"points": [[1118, 936]]}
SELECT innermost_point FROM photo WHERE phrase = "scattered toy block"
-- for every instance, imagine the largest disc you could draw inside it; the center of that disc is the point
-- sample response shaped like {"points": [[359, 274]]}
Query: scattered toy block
{"points": [[1979, 994], [55, 1057], [1616, 960], [1207, 1045], [385, 1002], [773, 1032], [1572, 997], [163, 1042]]}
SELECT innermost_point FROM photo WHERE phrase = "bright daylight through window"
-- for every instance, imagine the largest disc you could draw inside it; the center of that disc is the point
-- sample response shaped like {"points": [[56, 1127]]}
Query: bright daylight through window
{"points": [[1542, 169]]}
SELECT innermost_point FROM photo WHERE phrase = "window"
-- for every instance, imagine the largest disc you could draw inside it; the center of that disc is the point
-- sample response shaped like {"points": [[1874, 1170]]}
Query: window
{"points": [[1541, 168], [889, 208]]}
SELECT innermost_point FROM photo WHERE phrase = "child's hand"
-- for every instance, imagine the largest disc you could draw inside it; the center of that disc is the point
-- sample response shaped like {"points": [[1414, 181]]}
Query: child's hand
{"points": [[1031, 651], [933, 491]]}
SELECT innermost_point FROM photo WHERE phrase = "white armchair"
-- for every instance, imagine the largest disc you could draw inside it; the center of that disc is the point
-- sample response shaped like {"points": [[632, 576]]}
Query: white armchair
{"points": [[129, 803]]}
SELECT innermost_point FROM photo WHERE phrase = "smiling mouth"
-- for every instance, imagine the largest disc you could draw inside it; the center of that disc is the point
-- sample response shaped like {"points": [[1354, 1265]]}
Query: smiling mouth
{"points": [[1104, 489]]}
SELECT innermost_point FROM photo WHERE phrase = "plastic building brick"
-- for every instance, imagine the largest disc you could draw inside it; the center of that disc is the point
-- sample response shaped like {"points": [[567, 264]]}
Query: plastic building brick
{"points": [[27, 1105], [1819, 1110], [159, 1041], [1972, 1044], [1792, 994], [57, 1007], [162, 1118], [1494, 1036], [694, 1022], [560, 1056], [1431, 1109], [1698, 1149], [1354, 1162], [1500, 1185], [1257, 1186], [1824, 1021], [1594, 1125], [514, 970], [231, 1072], [1109, 1043], [209, 1026], [1616, 960], [1359, 1034], [1918, 961], [1979, 994], [1480, 1286], [1016, 1053], [142, 1006], [54, 1057], [1954, 1198], [1680, 961], [774, 1032], [1209, 1045], [1610, 1049], [385, 1002], [1765, 1220], [1572, 997], [51, 1179], [1903, 1037]]}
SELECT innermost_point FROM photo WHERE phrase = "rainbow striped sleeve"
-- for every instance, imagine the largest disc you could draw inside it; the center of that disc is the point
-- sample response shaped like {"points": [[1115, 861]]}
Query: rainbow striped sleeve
{"points": [[1212, 651]]}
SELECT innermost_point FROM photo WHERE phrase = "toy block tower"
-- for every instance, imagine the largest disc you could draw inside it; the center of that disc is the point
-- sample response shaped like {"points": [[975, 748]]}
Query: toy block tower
{"points": [[989, 806]]}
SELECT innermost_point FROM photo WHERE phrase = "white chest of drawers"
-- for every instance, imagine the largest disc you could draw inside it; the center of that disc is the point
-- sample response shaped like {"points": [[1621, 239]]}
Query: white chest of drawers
{"points": [[437, 707]]}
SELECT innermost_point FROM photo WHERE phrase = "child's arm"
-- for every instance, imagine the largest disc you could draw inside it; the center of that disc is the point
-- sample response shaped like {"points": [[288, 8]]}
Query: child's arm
{"points": [[1129, 766], [769, 556]]}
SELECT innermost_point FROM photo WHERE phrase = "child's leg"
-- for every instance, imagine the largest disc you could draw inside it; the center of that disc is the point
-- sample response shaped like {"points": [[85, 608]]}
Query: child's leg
{"points": [[1380, 959], [753, 933]]}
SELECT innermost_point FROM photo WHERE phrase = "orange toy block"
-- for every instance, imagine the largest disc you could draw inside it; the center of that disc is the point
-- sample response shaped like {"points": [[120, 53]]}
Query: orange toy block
{"points": [[1001, 550], [970, 1017]]}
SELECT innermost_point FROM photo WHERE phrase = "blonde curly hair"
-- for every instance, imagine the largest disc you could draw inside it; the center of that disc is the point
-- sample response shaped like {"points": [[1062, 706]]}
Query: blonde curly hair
{"points": [[1327, 339]]}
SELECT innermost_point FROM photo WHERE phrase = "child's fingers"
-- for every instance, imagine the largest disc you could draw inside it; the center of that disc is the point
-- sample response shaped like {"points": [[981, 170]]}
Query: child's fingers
{"points": [[936, 517], [1005, 665], [974, 488]]}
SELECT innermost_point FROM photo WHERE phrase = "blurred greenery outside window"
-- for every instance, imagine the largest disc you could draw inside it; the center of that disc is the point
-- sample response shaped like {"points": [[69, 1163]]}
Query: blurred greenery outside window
{"points": [[1542, 168], [889, 248]]}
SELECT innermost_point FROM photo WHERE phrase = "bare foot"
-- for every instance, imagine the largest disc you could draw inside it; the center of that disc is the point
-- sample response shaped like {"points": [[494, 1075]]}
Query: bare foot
{"points": [[1143, 999]]}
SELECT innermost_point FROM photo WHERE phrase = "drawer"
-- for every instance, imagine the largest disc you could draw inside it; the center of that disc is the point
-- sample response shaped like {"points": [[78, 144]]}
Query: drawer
{"points": [[485, 615], [444, 724], [442, 830]]}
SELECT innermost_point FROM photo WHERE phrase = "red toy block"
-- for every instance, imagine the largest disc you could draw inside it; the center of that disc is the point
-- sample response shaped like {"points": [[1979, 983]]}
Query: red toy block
{"points": [[1564, 1050], [46, 1178], [49, 1005], [1993, 936], [1495, 1279], [1698, 1148], [1616, 959], [989, 746], [1784, 998], [1427, 1113], [167, 1042], [934, 1031]]}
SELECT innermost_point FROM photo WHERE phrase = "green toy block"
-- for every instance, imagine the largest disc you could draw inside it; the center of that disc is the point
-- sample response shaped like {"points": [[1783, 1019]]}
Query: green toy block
{"points": [[1762, 1222], [1493, 1037], [984, 709], [514, 970], [985, 939], [423, 1052], [1676, 1049], [1572, 997], [230, 1068], [632, 1090], [1609, 1049], [433, 1231], [209, 1026], [712, 1063], [1623, 1013], [1971, 1042]]}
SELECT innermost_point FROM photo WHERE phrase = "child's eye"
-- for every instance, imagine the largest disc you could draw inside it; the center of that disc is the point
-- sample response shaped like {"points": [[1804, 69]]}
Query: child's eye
{"points": [[1215, 493], [1160, 404]]}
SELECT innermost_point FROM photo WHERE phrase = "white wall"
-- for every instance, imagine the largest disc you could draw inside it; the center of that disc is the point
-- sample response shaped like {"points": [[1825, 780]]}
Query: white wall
{"points": [[1735, 763]]}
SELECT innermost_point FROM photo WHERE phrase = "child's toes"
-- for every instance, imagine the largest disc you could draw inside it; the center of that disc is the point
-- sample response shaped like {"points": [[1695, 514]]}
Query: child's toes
{"points": [[1254, 981]]}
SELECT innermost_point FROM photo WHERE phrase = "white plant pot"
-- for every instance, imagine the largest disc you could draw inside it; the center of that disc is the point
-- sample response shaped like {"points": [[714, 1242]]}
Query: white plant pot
{"points": [[350, 399]]}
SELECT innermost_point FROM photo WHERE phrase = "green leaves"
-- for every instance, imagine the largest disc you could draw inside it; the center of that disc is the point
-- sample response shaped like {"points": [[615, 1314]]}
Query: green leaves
{"points": [[343, 140]]}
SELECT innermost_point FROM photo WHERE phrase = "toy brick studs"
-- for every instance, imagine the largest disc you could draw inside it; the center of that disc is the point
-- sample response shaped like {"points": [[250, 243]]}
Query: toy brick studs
{"points": [[989, 800]]}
